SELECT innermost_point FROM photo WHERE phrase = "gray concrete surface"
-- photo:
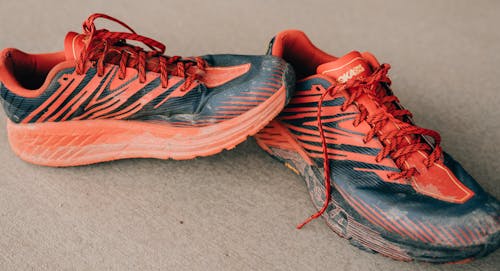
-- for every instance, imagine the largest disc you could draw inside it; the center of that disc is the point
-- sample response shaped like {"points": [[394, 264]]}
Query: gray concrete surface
{"points": [[238, 210]]}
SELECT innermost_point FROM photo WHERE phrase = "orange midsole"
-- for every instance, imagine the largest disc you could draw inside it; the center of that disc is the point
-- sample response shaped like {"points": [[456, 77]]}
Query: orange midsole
{"points": [[72, 143]]}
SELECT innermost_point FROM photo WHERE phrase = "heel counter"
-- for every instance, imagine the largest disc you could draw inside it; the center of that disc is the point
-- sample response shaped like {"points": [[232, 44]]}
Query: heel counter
{"points": [[3, 89], [11, 104], [9, 101]]}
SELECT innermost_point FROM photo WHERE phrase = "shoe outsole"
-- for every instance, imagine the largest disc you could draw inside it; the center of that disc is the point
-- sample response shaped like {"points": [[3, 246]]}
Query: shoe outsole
{"points": [[346, 226], [74, 143]]}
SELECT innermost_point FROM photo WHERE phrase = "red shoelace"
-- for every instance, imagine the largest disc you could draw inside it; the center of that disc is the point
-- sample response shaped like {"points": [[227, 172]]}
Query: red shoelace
{"points": [[399, 144], [103, 46]]}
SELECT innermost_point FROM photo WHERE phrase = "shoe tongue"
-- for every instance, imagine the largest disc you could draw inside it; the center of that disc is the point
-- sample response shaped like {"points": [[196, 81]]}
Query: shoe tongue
{"points": [[73, 45], [345, 68]]}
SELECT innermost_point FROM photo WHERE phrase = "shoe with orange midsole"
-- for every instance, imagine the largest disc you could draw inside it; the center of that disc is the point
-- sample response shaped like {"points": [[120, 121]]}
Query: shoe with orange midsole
{"points": [[104, 99], [376, 178]]}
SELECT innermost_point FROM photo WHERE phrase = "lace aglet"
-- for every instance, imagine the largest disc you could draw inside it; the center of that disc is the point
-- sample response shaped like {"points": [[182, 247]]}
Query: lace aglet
{"points": [[305, 222]]}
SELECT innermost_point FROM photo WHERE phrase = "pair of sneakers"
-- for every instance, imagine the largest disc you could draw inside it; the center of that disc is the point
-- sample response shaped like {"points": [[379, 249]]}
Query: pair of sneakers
{"points": [[377, 179]]}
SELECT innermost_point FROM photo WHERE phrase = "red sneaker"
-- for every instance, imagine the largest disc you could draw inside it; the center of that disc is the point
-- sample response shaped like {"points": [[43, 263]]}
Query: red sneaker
{"points": [[103, 99], [378, 179]]}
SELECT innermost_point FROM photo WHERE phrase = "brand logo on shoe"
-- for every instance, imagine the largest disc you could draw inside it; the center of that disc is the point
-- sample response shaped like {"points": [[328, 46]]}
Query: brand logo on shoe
{"points": [[351, 73]]}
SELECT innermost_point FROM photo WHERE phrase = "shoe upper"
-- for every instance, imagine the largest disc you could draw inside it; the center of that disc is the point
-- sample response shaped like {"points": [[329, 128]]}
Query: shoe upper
{"points": [[99, 76], [409, 194]]}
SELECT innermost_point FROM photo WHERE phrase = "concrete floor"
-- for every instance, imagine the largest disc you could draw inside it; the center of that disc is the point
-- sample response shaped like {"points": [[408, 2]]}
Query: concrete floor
{"points": [[238, 210]]}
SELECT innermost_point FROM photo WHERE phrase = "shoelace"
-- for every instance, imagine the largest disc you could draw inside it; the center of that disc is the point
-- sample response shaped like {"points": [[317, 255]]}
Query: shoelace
{"points": [[107, 46], [399, 144]]}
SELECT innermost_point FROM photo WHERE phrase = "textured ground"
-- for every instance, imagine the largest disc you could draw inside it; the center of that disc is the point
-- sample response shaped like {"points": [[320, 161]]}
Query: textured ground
{"points": [[238, 210]]}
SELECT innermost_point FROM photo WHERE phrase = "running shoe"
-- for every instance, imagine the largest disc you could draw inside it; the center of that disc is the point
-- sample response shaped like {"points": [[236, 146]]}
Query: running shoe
{"points": [[104, 97], [379, 180]]}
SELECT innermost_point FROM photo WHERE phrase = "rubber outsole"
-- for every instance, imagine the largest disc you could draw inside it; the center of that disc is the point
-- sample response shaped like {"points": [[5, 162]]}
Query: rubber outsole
{"points": [[74, 143], [346, 226]]}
